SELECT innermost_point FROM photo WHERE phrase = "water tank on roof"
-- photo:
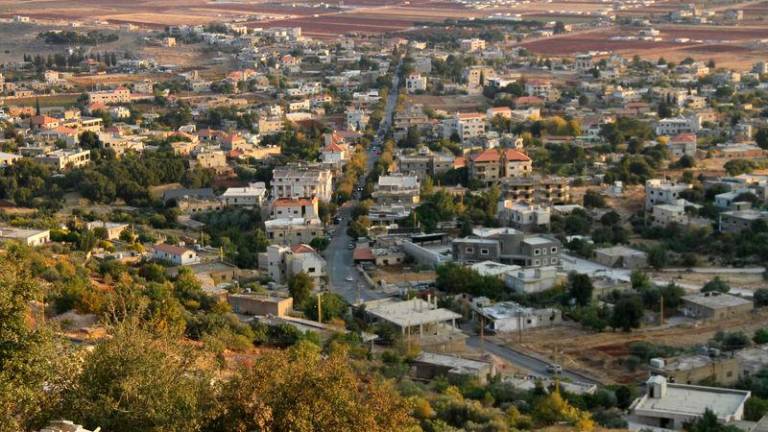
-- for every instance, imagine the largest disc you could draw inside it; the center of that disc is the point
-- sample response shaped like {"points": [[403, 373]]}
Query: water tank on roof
{"points": [[657, 363]]}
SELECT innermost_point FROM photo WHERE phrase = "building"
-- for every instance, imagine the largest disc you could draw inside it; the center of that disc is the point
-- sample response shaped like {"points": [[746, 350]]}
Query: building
{"points": [[301, 181], [424, 163], [533, 280], [715, 305], [621, 257], [293, 231], [522, 216], [662, 191], [670, 406], [428, 366], [418, 320], [174, 254], [65, 426], [676, 126], [507, 246], [693, 369], [415, 83], [8, 159], [510, 316], [295, 208], [252, 195], [260, 305], [397, 189], [112, 230], [478, 75], [666, 214], [545, 190], [739, 220], [467, 126], [491, 165], [63, 159], [683, 145], [119, 95], [27, 236], [471, 45]]}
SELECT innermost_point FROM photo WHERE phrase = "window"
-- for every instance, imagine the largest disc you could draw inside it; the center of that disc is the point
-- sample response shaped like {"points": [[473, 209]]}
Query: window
{"points": [[311, 270], [553, 261], [536, 262], [469, 250], [554, 250], [484, 251], [537, 252]]}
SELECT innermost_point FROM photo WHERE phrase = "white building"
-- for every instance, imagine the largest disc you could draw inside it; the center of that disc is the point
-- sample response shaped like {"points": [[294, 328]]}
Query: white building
{"points": [[357, 119], [510, 316], [415, 83], [531, 280], [676, 126], [283, 262], [249, 196], [671, 406], [521, 215], [27, 236], [174, 254], [661, 191], [302, 182]]}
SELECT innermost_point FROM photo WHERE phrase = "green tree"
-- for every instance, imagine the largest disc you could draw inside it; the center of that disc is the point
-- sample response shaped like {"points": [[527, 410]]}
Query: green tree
{"points": [[761, 336], [300, 286], [333, 306], [593, 199], [139, 381], [716, 285], [658, 257], [761, 297], [627, 312], [580, 288]]}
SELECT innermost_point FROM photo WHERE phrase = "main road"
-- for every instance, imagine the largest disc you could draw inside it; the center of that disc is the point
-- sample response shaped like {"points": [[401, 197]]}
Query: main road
{"points": [[343, 277]]}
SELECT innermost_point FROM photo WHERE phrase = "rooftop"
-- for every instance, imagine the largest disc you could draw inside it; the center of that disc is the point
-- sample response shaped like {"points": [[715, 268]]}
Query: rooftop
{"points": [[715, 301], [691, 400], [409, 313]]}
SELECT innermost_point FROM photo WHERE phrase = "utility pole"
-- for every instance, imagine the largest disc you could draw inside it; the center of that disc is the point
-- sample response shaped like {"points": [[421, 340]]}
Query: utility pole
{"points": [[320, 307], [661, 311]]}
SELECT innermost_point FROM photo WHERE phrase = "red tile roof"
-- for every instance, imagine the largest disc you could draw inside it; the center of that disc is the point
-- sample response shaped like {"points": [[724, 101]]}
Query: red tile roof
{"points": [[514, 155], [490, 155], [170, 249], [363, 254], [302, 248]]}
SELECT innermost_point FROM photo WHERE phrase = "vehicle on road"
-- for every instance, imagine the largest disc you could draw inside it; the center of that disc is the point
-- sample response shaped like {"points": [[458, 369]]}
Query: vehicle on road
{"points": [[349, 279], [554, 368], [351, 246]]}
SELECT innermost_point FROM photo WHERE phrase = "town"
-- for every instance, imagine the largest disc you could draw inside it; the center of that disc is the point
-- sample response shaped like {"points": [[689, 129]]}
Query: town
{"points": [[458, 216]]}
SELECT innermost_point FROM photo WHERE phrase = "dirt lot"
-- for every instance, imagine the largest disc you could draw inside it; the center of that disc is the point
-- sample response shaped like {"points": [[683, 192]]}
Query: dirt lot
{"points": [[601, 354]]}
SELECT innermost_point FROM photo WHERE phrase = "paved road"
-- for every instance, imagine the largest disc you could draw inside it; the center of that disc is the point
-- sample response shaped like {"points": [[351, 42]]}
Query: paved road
{"points": [[344, 278], [525, 361]]}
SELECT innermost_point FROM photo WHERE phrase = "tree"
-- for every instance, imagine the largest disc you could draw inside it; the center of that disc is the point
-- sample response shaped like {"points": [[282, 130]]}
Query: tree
{"points": [[761, 137], [627, 312], [760, 297], [139, 381], [761, 336], [658, 257], [300, 286], [301, 390], [30, 383], [709, 423], [593, 199], [332, 306], [716, 285], [580, 288]]}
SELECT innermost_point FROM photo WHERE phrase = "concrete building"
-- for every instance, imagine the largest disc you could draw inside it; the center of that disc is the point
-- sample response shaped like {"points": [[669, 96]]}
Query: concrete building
{"points": [[736, 221], [397, 189], [119, 95], [302, 181], [415, 83], [671, 406], [293, 231], [666, 214], [8, 159], [255, 304], [174, 254], [491, 165], [508, 246], [510, 316], [428, 366], [112, 229], [529, 281], [694, 369], [420, 321], [683, 145], [467, 126], [537, 189], [661, 191], [424, 163], [63, 159], [621, 257], [470, 45], [715, 305], [295, 208], [252, 195], [522, 216], [27, 236]]}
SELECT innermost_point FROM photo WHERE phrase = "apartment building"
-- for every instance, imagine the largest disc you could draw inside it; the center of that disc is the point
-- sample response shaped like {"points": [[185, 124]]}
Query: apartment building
{"points": [[662, 191], [491, 165], [293, 230], [66, 158], [302, 181], [551, 190], [106, 97], [471, 45], [415, 83], [307, 208], [507, 246], [397, 189], [466, 125]]}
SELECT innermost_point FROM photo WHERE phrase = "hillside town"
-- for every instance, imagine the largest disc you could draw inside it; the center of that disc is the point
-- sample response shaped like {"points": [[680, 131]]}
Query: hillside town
{"points": [[427, 231]]}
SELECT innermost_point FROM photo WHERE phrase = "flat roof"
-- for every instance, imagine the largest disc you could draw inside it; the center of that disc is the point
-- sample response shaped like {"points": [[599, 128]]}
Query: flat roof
{"points": [[409, 312], [690, 400], [716, 301], [535, 241], [451, 361]]}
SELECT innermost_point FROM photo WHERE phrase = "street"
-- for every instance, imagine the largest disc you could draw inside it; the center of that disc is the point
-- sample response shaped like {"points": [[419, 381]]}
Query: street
{"points": [[343, 277], [534, 365]]}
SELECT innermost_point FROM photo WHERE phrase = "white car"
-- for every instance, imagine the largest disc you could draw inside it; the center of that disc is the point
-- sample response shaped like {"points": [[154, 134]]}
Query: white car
{"points": [[349, 279]]}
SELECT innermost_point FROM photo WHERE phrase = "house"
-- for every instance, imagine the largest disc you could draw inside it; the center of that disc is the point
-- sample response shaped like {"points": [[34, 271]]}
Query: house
{"points": [[293, 230], [666, 214], [302, 181], [66, 158], [470, 45], [682, 145], [111, 229], [715, 305], [676, 126], [510, 316], [662, 191], [357, 119], [260, 305], [467, 126], [428, 366], [522, 216], [119, 95], [507, 246], [547, 190], [532, 280], [621, 257], [334, 154], [418, 320], [305, 208], [491, 165], [176, 255], [397, 189], [696, 368], [415, 83], [252, 195], [27, 236], [735, 221], [284, 262], [670, 406]]}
